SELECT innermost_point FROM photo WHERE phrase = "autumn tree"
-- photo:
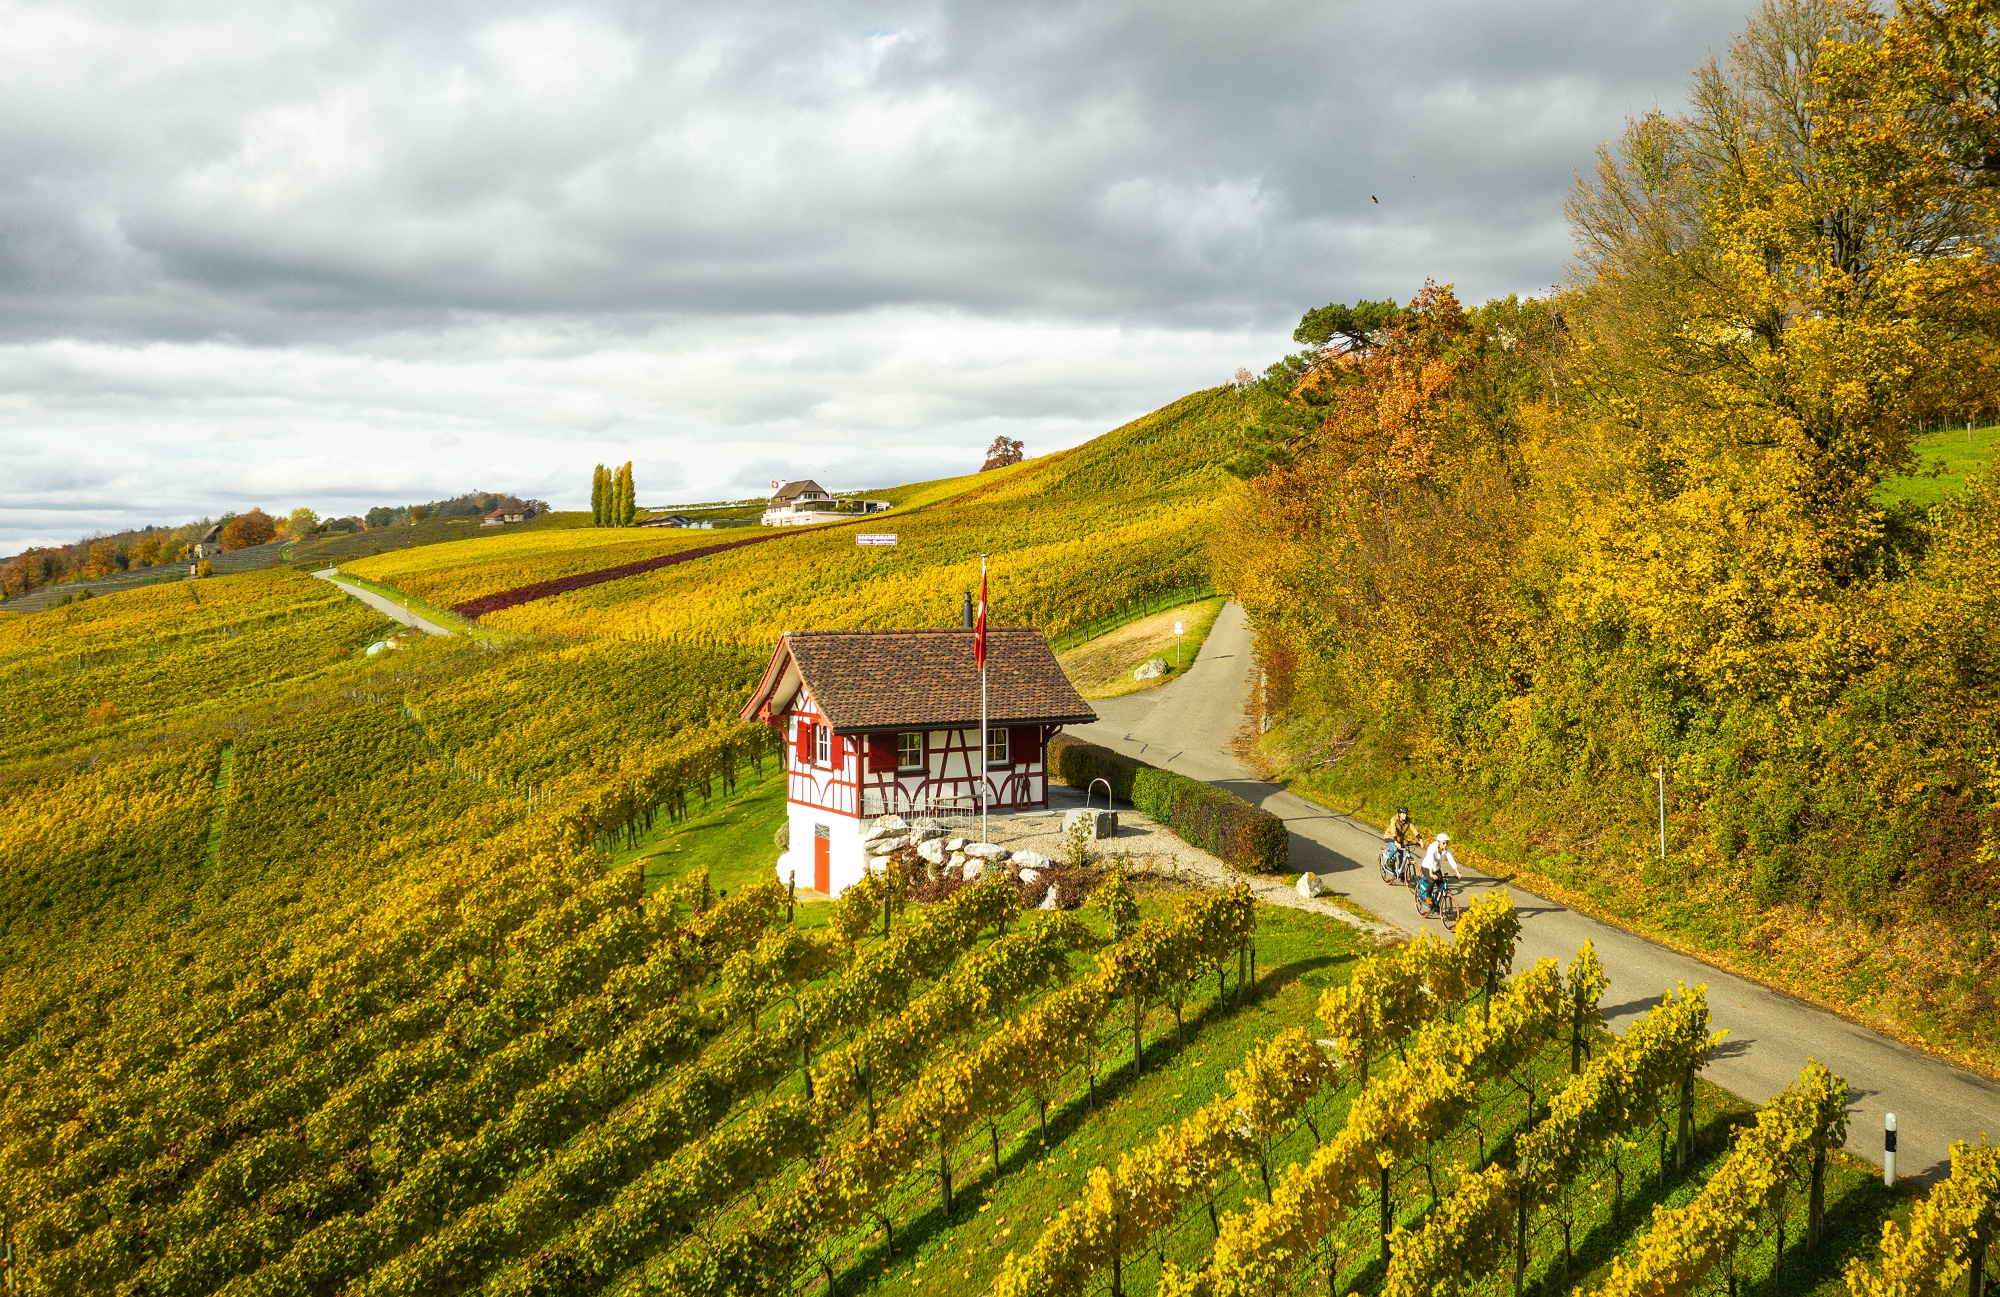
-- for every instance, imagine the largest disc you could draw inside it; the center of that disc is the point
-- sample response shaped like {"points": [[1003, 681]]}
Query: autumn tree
{"points": [[1003, 451], [246, 529], [1549, 545]]}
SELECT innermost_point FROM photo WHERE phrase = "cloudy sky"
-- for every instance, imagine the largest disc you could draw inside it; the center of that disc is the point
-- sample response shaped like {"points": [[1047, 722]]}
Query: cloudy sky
{"points": [[364, 253]]}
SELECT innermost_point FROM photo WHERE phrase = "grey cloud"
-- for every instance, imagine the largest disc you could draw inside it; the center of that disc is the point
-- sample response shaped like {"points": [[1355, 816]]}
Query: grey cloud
{"points": [[306, 168], [263, 246]]}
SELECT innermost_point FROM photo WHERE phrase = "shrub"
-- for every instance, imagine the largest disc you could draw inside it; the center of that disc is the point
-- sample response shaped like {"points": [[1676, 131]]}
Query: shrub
{"points": [[1216, 821]]}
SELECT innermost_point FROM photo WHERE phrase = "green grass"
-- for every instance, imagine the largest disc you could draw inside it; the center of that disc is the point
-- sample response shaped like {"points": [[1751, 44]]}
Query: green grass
{"points": [[1947, 459], [1102, 668], [224, 767], [732, 837], [1300, 954]]}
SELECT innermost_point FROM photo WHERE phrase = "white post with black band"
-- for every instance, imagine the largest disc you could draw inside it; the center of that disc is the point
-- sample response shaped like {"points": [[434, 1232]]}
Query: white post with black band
{"points": [[1889, 1149]]}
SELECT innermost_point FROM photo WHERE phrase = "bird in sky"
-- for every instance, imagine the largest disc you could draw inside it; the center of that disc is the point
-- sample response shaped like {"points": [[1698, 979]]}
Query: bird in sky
{"points": [[1373, 199]]}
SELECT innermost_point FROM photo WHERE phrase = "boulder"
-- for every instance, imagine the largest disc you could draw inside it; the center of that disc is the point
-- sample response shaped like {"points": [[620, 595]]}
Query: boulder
{"points": [[1030, 860], [973, 869], [958, 857], [956, 844], [1152, 669], [924, 825], [921, 834], [987, 851], [1310, 886], [882, 832], [1049, 902], [933, 852], [893, 823], [1101, 824], [880, 864], [1031, 876]]}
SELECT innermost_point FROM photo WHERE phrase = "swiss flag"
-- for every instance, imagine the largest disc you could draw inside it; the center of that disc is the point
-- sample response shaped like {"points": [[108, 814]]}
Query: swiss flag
{"points": [[979, 626]]}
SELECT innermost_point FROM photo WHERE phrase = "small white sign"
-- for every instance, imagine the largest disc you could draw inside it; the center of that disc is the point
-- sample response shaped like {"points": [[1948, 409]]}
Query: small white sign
{"points": [[875, 538], [1179, 629]]}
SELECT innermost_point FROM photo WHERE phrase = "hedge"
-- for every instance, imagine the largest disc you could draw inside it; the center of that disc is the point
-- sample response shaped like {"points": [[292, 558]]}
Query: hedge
{"points": [[1220, 823]]}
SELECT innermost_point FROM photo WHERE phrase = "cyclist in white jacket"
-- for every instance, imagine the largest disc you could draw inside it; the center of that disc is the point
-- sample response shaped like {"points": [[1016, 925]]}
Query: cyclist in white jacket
{"points": [[1436, 856]]}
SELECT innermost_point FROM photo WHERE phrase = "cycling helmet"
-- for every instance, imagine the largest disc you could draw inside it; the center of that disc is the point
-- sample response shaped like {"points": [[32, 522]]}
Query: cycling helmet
{"points": [[1444, 837], [1402, 810]]}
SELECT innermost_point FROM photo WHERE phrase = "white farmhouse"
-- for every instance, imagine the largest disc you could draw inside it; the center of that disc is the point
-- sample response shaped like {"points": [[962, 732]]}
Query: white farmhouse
{"points": [[887, 722], [796, 503]]}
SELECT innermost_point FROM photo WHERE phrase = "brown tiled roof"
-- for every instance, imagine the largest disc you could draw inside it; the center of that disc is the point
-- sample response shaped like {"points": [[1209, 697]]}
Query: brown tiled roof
{"points": [[867, 680], [793, 490]]}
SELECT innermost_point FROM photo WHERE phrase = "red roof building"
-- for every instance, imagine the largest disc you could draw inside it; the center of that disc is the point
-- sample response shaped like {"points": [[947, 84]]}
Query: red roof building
{"points": [[887, 722]]}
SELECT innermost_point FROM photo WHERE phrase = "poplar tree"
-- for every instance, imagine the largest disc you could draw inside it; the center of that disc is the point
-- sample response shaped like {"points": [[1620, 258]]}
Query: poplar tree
{"points": [[597, 496], [628, 506]]}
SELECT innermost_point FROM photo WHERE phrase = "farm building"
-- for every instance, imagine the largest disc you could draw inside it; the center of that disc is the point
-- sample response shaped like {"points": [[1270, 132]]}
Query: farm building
{"points": [[501, 517], [797, 502], [210, 544], [886, 722], [800, 503]]}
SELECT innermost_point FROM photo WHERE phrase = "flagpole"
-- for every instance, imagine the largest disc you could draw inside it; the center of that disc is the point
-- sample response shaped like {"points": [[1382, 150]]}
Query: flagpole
{"points": [[984, 749]]}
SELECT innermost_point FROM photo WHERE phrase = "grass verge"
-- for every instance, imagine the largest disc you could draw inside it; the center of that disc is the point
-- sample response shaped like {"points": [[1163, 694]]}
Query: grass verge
{"points": [[1947, 458], [1103, 667]]}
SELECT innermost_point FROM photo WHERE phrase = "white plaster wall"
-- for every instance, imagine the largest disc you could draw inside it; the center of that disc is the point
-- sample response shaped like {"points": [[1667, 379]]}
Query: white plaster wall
{"points": [[845, 858]]}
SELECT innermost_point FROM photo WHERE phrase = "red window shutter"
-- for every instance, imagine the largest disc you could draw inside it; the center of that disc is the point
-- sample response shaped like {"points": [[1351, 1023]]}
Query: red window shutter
{"points": [[836, 751], [881, 753], [1024, 744], [802, 747]]}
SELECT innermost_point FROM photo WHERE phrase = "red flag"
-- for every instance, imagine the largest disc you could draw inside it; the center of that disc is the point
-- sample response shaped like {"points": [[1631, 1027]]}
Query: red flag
{"points": [[979, 626]]}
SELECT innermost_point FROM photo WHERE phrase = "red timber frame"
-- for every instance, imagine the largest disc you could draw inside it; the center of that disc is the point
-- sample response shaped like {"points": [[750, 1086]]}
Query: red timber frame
{"points": [[861, 778]]}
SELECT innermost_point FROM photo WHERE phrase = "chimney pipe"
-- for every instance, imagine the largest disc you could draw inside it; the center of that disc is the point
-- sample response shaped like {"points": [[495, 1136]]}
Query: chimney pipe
{"points": [[966, 612]]}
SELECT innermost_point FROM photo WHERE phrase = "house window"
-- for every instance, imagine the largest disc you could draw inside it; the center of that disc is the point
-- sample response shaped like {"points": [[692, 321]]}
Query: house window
{"points": [[822, 745], [996, 748], [909, 751]]}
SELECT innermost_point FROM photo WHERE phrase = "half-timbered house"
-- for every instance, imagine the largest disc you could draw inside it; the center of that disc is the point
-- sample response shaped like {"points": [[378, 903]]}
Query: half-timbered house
{"points": [[886, 722]]}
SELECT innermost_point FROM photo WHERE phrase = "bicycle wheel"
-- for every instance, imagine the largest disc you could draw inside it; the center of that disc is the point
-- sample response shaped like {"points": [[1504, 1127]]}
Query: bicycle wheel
{"points": [[1448, 910], [1423, 906], [1388, 868]]}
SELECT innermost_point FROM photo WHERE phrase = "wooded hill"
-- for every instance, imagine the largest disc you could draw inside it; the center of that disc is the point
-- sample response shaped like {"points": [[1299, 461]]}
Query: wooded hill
{"points": [[1508, 561]]}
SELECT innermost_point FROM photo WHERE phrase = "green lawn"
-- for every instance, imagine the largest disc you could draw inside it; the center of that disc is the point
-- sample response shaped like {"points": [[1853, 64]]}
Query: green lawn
{"points": [[1946, 459], [733, 837]]}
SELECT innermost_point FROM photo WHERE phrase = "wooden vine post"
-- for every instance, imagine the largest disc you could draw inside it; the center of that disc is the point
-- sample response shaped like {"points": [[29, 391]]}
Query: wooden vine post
{"points": [[1521, 1239], [1117, 1258], [1684, 1135], [1385, 1216], [1816, 1199]]}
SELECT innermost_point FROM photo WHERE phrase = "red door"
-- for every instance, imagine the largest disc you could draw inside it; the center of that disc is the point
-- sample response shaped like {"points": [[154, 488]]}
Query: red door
{"points": [[822, 861]]}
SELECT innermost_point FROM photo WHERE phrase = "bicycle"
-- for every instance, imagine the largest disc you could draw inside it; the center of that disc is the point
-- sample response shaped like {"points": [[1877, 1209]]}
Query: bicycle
{"points": [[1395, 863], [1441, 904]]}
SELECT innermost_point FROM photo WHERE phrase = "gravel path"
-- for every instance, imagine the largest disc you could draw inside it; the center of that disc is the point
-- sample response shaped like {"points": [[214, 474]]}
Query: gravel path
{"points": [[1150, 847], [387, 607]]}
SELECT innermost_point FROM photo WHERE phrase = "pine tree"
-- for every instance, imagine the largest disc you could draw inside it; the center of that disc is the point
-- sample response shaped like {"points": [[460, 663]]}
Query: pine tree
{"points": [[597, 496]]}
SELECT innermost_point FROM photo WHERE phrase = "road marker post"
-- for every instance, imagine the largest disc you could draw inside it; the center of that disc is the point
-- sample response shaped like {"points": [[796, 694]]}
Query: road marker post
{"points": [[1889, 1149]]}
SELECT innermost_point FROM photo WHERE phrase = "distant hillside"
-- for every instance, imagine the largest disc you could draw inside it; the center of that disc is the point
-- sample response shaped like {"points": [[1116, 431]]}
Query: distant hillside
{"points": [[1069, 537]]}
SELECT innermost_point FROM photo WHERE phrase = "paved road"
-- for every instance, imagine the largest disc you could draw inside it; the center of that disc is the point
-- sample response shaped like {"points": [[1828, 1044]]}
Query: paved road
{"points": [[387, 607], [1187, 726]]}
